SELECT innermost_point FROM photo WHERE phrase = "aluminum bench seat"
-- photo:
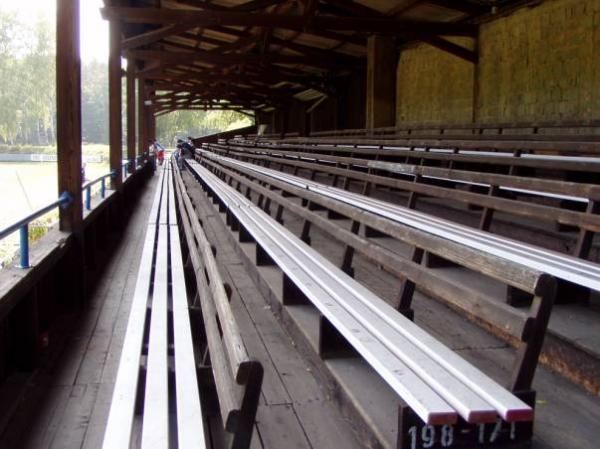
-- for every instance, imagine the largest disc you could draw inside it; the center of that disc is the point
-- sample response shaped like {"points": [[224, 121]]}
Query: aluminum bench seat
{"points": [[156, 293], [562, 266], [437, 384]]}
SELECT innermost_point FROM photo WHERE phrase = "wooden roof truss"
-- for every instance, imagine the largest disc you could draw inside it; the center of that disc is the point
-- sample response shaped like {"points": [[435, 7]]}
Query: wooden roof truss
{"points": [[257, 54]]}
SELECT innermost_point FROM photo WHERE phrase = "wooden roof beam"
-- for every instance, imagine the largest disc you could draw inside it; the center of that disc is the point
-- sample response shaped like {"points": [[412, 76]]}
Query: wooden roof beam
{"points": [[248, 6], [472, 9], [154, 36], [452, 48], [220, 93], [315, 52], [179, 57], [357, 24], [403, 8], [356, 9], [254, 74], [254, 91]]}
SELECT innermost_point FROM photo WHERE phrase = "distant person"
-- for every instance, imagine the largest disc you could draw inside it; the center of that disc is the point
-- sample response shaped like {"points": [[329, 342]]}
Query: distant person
{"points": [[160, 152], [188, 147], [178, 158], [182, 146], [83, 178], [152, 154]]}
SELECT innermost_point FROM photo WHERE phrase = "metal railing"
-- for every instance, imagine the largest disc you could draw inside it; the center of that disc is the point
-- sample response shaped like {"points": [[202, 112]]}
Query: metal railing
{"points": [[64, 201], [87, 187], [22, 226]]}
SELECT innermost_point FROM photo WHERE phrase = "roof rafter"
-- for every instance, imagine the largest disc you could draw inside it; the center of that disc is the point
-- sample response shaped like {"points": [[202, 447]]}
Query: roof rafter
{"points": [[211, 18]]}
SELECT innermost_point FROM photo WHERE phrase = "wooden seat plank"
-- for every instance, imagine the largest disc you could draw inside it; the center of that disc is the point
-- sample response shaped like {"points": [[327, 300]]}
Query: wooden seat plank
{"points": [[558, 264], [259, 230], [120, 418], [190, 428], [155, 430]]}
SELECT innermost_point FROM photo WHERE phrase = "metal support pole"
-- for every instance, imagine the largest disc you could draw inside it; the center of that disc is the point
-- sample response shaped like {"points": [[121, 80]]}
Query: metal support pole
{"points": [[88, 197], [24, 243]]}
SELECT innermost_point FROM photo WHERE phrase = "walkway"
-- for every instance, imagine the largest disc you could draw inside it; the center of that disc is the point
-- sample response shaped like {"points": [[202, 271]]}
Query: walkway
{"points": [[65, 404]]}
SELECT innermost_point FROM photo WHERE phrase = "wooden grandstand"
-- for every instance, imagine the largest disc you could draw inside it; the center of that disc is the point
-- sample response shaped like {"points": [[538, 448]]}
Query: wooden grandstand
{"points": [[401, 252]]}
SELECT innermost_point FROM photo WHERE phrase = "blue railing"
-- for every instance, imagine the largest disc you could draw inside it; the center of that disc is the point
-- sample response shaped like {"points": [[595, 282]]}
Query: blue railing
{"points": [[63, 201], [23, 226], [87, 188]]}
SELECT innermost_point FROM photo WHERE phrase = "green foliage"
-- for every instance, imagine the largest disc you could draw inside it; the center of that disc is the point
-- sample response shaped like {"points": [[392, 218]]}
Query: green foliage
{"points": [[94, 106], [40, 227], [28, 93], [181, 124], [7, 254], [27, 149], [87, 149], [37, 229]]}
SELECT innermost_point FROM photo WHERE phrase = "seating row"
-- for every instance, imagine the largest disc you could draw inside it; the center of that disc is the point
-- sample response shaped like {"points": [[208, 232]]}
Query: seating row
{"points": [[511, 156], [539, 200], [562, 266], [522, 129], [158, 379], [142, 381], [437, 384]]}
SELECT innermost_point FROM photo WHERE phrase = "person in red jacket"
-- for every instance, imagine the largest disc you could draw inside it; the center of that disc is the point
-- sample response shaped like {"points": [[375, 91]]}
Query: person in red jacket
{"points": [[160, 152]]}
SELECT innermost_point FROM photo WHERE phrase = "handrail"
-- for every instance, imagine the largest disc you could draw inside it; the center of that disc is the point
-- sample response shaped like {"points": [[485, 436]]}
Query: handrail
{"points": [[87, 187], [63, 201]]}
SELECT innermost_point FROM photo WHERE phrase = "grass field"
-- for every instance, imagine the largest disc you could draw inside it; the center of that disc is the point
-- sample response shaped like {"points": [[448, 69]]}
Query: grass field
{"points": [[89, 149], [26, 187]]}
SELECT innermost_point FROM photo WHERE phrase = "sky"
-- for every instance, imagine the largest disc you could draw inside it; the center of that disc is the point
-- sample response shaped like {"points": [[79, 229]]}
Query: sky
{"points": [[94, 30]]}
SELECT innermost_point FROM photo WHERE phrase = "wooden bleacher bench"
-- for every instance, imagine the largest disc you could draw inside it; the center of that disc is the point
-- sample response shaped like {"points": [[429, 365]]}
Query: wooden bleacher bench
{"points": [[142, 383], [439, 387], [157, 378], [511, 155], [526, 129], [236, 379], [533, 198], [517, 269]]}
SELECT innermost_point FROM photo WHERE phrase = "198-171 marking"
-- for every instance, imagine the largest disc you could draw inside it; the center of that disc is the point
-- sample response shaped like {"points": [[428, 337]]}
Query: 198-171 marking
{"points": [[428, 437]]}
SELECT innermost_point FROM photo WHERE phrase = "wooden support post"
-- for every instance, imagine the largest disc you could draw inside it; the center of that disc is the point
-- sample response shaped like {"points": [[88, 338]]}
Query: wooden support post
{"points": [[279, 215], [381, 81], [114, 95], [151, 123], [407, 288], [332, 343], [131, 115], [346, 265], [305, 234], [488, 213], [68, 111], [68, 137], [291, 294], [586, 237], [531, 342], [142, 136]]}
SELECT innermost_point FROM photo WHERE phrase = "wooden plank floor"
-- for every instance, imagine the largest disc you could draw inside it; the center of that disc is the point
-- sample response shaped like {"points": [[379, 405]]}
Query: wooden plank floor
{"points": [[66, 402]]}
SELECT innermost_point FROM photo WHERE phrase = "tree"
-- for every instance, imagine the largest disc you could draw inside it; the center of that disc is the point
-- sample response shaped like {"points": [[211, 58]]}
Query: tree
{"points": [[10, 33], [181, 124], [28, 92], [94, 108], [38, 71]]}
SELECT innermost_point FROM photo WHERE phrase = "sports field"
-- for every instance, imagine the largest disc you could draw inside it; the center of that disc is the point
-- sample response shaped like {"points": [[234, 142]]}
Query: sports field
{"points": [[26, 187]]}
